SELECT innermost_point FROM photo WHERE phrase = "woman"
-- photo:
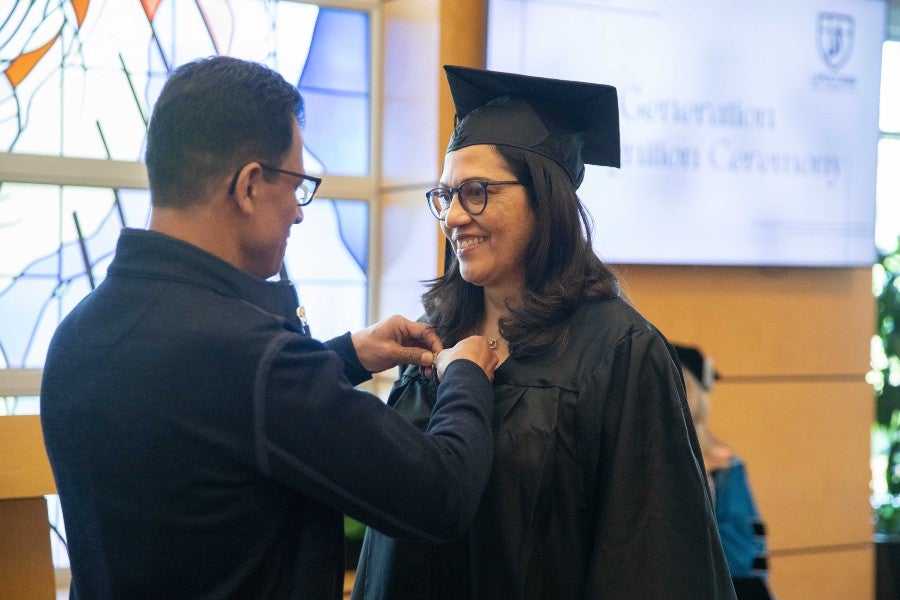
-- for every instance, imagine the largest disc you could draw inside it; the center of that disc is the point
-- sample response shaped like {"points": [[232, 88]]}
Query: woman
{"points": [[597, 488], [741, 527]]}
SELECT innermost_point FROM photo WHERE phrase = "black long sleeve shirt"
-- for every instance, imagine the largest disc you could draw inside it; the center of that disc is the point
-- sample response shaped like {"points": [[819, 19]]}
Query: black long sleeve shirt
{"points": [[204, 446]]}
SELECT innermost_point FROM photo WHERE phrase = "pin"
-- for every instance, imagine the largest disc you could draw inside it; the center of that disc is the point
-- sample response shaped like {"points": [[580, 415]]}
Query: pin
{"points": [[301, 314]]}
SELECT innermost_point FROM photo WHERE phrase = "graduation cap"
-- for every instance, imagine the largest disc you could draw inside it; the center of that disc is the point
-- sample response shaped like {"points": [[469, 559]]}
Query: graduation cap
{"points": [[701, 366], [570, 122]]}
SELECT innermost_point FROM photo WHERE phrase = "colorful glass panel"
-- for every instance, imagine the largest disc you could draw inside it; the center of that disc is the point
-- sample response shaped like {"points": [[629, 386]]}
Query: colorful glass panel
{"points": [[331, 279], [79, 81]]}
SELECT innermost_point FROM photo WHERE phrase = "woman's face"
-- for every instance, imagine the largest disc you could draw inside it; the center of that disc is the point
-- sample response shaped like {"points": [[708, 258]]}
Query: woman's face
{"points": [[490, 247], [697, 397]]}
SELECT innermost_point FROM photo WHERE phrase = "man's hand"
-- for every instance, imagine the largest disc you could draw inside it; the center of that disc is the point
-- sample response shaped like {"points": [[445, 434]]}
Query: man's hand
{"points": [[396, 341], [473, 348]]}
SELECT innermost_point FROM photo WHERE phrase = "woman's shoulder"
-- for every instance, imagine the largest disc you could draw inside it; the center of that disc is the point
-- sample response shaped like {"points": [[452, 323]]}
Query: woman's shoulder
{"points": [[615, 310], [604, 323]]}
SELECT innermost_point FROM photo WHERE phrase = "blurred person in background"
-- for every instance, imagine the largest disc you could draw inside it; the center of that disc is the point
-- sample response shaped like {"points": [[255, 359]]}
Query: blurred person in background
{"points": [[741, 527]]}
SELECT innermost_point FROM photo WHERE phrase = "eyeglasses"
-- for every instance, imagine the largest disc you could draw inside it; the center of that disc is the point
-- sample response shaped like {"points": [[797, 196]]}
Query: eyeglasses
{"points": [[472, 194], [304, 192]]}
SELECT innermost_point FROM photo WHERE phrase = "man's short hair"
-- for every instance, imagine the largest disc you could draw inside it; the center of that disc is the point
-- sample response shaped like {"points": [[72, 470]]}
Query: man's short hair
{"points": [[212, 116]]}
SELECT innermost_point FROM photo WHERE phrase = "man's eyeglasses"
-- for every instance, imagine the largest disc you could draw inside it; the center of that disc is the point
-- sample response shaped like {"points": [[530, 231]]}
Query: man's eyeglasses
{"points": [[304, 192], [472, 194]]}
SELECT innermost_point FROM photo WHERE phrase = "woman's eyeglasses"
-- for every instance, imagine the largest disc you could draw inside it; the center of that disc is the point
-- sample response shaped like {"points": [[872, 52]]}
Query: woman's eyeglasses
{"points": [[472, 194]]}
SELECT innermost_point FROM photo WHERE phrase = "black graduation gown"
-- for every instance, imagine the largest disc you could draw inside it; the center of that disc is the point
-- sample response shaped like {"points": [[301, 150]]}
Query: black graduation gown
{"points": [[597, 488]]}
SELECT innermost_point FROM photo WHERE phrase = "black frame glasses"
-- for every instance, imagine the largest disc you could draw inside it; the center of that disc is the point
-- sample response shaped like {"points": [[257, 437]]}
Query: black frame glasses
{"points": [[304, 192], [472, 194]]}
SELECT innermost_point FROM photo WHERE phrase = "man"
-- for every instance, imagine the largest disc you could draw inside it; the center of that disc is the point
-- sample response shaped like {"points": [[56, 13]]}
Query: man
{"points": [[203, 445]]}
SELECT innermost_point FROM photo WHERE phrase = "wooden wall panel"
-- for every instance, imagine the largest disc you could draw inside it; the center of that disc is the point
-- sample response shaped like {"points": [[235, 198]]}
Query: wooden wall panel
{"points": [[24, 466], [26, 563], [792, 348], [806, 449], [757, 321], [828, 576]]}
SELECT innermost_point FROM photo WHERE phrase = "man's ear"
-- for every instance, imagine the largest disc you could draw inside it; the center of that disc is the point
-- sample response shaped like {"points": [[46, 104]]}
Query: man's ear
{"points": [[247, 187]]}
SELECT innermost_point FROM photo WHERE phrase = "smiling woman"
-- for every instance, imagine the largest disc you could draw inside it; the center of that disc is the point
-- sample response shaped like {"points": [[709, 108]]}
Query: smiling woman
{"points": [[596, 471], [489, 243]]}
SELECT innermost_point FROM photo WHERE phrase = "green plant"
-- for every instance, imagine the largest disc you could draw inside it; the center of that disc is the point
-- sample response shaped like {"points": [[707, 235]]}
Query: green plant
{"points": [[885, 379], [353, 529], [887, 502]]}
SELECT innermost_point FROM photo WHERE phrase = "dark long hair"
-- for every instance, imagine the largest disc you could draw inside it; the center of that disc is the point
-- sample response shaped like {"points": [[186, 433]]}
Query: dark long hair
{"points": [[561, 269]]}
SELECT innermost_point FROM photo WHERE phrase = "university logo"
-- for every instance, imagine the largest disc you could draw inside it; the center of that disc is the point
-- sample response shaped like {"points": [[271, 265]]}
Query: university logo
{"points": [[835, 38]]}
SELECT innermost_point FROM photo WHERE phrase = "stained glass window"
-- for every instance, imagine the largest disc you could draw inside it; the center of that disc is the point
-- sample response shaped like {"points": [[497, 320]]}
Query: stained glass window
{"points": [[80, 79], [331, 268]]}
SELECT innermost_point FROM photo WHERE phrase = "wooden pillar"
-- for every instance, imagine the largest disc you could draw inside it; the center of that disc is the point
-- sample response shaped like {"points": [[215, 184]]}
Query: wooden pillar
{"points": [[463, 27]]}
